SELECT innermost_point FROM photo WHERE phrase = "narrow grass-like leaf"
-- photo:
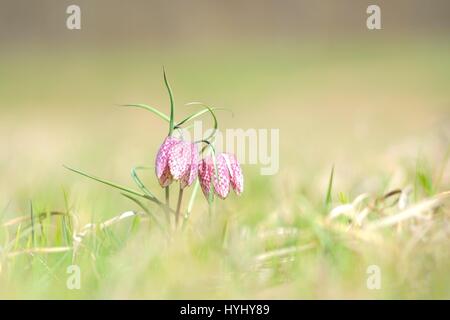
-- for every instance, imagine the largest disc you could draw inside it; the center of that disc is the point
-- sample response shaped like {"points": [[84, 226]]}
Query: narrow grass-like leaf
{"points": [[139, 182], [139, 203], [39, 250], [342, 197], [169, 90], [134, 226], [149, 108], [32, 224], [216, 171], [109, 183], [192, 199], [213, 133], [425, 182], [113, 239], [208, 144], [67, 225], [328, 197], [28, 217], [18, 236], [23, 234], [197, 114], [143, 207], [43, 237]]}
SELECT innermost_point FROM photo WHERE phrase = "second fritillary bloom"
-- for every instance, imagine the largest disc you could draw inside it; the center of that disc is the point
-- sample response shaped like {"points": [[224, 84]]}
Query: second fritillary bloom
{"points": [[229, 174]]}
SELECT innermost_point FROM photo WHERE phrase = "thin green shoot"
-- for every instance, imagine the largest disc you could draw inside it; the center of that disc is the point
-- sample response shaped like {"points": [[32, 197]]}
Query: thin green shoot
{"points": [[328, 197], [169, 90], [109, 183], [149, 108], [139, 182]]}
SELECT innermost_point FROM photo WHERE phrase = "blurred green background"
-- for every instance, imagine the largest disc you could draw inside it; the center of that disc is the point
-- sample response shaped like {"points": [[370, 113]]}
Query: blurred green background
{"points": [[368, 102]]}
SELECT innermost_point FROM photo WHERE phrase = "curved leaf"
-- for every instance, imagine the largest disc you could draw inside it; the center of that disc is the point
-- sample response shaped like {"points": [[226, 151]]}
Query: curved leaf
{"points": [[149, 108], [139, 182], [169, 90], [213, 133], [198, 114], [109, 183]]}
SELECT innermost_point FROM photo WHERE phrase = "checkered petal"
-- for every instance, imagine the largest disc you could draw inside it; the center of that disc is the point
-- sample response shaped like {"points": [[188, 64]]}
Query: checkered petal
{"points": [[166, 178], [162, 161], [205, 173], [179, 159], [222, 179], [192, 172], [236, 176]]}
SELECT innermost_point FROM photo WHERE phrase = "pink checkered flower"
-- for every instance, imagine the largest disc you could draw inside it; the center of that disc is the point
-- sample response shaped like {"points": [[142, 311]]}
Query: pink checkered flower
{"points": [[191, 173], [228, 173], [236, 176], [176, 160], [205, 174]]}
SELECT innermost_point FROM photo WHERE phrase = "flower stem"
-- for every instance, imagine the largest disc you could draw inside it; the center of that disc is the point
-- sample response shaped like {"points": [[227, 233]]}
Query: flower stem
{"points": [[191, 203], [180, 197], [168, 205]]}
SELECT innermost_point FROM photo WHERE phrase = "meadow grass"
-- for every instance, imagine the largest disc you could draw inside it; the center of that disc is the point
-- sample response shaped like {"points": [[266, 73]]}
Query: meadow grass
{"points": [[304, 252]]}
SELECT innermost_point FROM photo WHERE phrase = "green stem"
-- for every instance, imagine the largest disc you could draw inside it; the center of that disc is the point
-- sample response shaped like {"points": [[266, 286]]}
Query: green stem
{"points": [[191, 202], [168, 204], [211, 201], [169, 90], [180, 197], [32, 224]]}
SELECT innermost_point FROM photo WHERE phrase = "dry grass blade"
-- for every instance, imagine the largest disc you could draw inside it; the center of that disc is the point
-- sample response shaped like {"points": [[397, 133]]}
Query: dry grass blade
{"points": [[355, 233], [414, 211], [284, 251], [78, 237], [41, 216], [91, 226], [350, 210], [39, 250], [279, 232]]}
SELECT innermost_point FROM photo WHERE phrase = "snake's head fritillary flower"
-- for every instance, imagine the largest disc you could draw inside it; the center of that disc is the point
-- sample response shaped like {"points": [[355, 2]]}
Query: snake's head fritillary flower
{"points": [[228, 173], [221, 181], [205, 173], [192, 171], [176, 160], [162, 162], [236, 176]]}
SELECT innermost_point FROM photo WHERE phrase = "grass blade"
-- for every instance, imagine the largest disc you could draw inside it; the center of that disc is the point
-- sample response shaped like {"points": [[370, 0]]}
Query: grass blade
{"points": [[328, 197], [197, 114], [192, 199], [109, 183], [32, 224], [39, 251], [169, 90], [146, 210], [213, 133], [22, 219], [149, 108], [139, 182]]}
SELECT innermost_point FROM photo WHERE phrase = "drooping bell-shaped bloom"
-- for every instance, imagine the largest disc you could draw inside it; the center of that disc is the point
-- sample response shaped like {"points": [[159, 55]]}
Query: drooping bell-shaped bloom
{"points": [[205, 174], [192, 171], [228, 173], [221, 181], [176, 160], [236, 176]]}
